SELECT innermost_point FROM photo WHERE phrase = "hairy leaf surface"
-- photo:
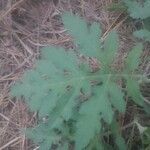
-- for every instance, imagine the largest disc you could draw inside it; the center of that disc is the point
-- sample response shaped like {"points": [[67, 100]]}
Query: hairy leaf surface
{"points": [[142, 34], [85, 36], [138, 10], [71, 100]]}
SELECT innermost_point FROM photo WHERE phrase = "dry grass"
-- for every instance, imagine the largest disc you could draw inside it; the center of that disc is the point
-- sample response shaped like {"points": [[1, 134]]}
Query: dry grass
{"points": [[25, 27]]}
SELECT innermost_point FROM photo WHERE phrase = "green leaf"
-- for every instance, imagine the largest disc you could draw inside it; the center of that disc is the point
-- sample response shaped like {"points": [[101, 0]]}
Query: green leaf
{"points": [[146, 23], [117, 97], [133, 59], [52, 82], [86, 37], [120, 142], [142, 34], [110, 48], [97, 108], [146, 138], [43, 135], [87, 128], [131, 63], [64, 147], [134, 91], [96, 144], [137, 10], [71, 100]]}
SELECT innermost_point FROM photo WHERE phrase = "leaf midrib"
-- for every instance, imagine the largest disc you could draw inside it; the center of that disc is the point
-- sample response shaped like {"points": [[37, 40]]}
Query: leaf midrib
{"points": [[90, 78]]}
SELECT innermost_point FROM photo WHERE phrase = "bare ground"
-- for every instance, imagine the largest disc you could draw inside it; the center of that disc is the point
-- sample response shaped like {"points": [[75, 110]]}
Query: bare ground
{"points": [[28, 25]]}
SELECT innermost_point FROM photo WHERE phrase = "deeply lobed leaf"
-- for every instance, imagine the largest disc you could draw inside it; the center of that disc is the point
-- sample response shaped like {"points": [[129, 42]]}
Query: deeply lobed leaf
{"points": [[63, 92], [86, 37], [142, 34], [138, 10]]}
